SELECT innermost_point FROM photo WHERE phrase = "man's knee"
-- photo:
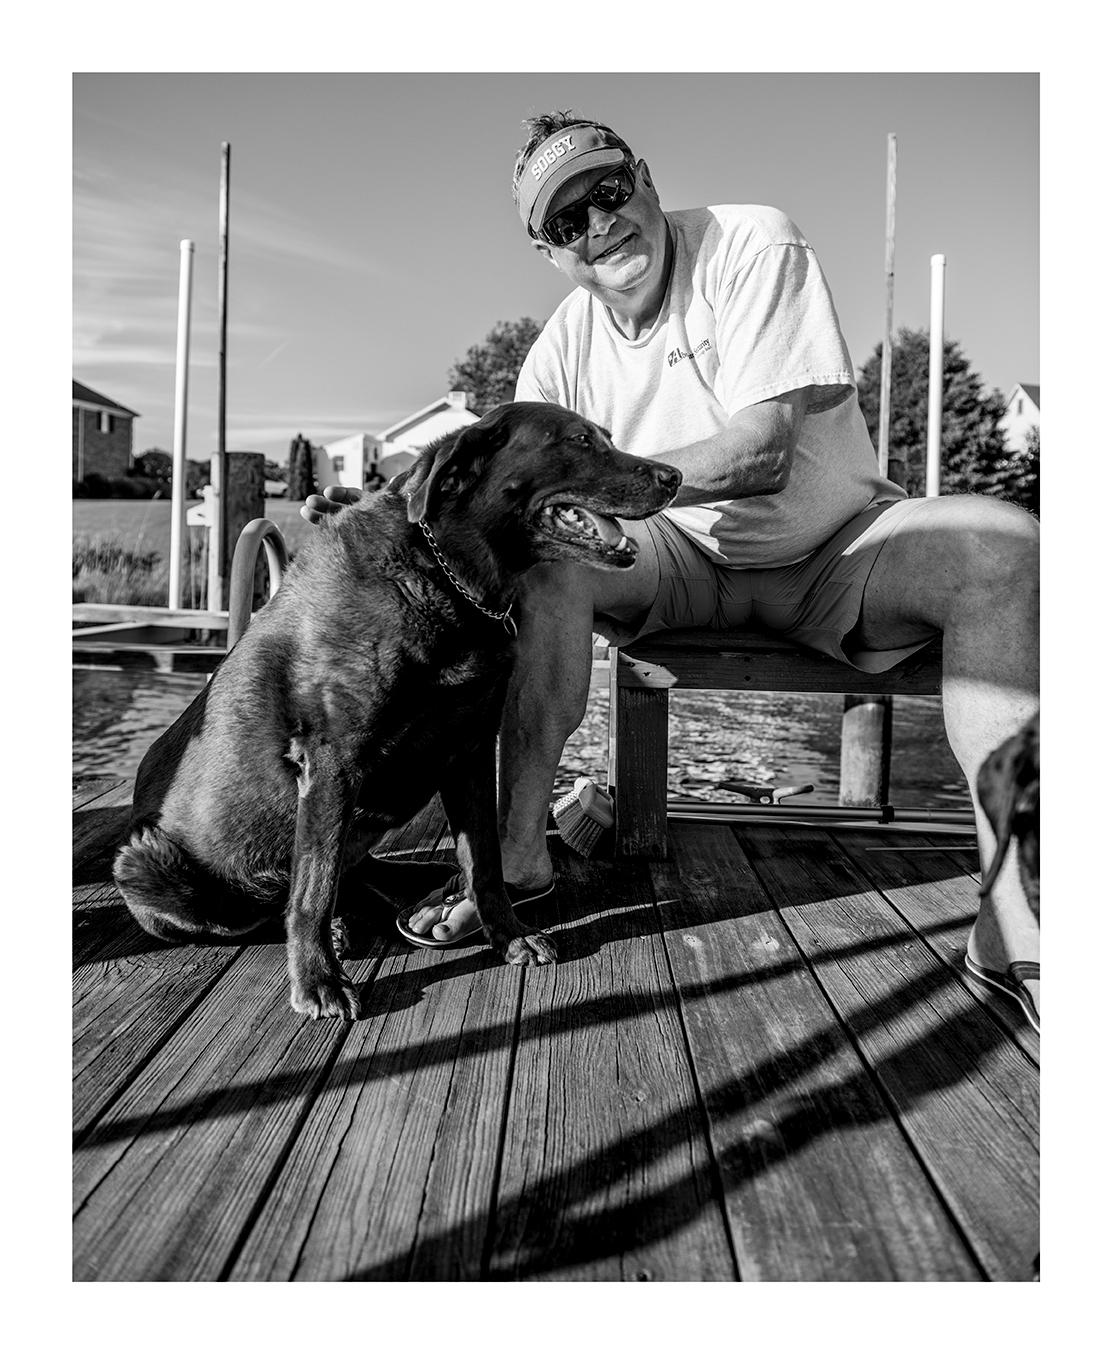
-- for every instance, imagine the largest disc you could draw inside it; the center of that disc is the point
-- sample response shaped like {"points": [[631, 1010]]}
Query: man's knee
{"points": [[997, 547]]}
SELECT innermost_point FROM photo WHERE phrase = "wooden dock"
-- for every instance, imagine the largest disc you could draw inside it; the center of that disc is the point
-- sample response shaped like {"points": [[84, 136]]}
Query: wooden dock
{"points": [[756, 1060]]}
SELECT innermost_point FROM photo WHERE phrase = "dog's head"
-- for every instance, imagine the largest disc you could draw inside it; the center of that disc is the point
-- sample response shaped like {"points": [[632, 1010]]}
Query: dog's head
{"points": [[538, 482]]}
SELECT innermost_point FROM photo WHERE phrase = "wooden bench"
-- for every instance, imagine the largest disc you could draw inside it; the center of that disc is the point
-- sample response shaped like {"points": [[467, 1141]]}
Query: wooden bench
{"points": [[642, 675]]}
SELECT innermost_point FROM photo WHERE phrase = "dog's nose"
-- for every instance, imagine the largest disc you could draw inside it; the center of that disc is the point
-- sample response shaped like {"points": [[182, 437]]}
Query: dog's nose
{"points": [[668, 477]]}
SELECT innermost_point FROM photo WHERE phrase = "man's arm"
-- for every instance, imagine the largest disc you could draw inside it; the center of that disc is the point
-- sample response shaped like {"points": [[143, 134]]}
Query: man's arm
{"points": [[752, 455]]}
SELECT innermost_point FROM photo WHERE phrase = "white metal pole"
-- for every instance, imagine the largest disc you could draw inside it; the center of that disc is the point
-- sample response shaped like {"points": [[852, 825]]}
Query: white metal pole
{"points": [[889, 289], [178, 537], [934, 388]]}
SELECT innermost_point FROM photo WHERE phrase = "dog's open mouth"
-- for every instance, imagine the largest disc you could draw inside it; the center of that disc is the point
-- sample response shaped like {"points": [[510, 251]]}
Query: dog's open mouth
{"points": [[580, 527]]}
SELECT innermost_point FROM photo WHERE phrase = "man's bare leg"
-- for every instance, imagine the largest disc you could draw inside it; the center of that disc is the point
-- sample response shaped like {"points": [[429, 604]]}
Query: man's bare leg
{"points": [[969, 566], [545, 704]]}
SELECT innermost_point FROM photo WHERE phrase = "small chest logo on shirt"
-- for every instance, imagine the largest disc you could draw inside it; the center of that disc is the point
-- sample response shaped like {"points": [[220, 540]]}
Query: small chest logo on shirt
{"points": [[681, 354]]}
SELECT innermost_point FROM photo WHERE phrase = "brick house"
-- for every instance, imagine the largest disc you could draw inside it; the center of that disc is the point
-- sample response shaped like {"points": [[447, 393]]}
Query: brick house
{"points": [[102, 431]]}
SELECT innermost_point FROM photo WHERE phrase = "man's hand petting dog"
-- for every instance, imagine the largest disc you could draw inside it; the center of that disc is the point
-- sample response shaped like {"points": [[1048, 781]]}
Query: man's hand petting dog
{"points": [[372, 681], [318, 507]]}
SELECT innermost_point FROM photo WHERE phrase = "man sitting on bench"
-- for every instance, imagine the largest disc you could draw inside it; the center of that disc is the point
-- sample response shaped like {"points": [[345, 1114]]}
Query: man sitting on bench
{"points": [[708, 337]]}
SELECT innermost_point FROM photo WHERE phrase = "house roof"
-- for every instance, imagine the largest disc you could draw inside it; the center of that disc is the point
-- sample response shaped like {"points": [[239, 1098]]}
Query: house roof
{"points": [[84, 394], [441, 405], [1022, 387]]}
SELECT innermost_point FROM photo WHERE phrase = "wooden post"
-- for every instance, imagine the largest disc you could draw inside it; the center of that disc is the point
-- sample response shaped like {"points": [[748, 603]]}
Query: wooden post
{"points": [[221, 539], [244, 500], [866, 751], [867, 720], [639, 756]]}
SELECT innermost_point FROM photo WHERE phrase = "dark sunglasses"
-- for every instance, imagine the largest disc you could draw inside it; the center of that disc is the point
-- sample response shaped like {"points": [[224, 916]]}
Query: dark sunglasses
{"points": [[569, 223]]}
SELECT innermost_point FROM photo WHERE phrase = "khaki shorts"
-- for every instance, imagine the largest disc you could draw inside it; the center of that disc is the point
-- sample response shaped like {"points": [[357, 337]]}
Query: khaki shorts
{"points": [[816, 601]]}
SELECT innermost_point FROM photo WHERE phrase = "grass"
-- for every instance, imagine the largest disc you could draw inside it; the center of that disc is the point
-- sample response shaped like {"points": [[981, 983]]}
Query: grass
{"points": [[111, 570], [120, 549]]}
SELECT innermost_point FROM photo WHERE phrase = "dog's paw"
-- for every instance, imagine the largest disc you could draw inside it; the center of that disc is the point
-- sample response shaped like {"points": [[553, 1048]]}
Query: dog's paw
{"points": [[324, 995], [534, 947]]}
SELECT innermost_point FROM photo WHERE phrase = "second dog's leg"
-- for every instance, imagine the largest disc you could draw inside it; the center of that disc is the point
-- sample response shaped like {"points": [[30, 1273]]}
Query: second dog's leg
{"points": [[468, 794], [326, 797]]}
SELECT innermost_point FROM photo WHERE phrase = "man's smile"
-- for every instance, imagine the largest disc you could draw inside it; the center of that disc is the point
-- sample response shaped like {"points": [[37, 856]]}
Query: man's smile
{"points": [[613, 249]]}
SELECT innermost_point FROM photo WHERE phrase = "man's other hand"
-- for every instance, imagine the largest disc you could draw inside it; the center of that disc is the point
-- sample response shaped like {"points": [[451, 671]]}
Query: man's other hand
{"points": [[319, 506]]}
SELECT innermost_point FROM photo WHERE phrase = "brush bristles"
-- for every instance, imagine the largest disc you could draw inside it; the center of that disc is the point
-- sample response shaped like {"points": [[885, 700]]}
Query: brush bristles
{"points": [[584, 816]]}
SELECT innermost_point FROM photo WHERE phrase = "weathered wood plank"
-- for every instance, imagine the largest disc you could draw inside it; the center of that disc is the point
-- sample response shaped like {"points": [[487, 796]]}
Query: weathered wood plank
{"points": [[712, 660], [124, 1007], [965, 1095], [936, 891], [169, 1178], [392, 1173], [86, 788], [606, 1173], [819, 1182], [98, 826], [105, 612]]}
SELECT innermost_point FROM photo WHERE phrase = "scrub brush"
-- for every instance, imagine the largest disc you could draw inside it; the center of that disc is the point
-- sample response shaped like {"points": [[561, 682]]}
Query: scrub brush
{"points": [[584, 816]]}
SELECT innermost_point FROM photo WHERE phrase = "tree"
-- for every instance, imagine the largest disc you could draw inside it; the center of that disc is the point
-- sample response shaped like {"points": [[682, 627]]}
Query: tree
{"points": [[973, 445], [301, 481], [197, 475], [273, 471], [1016, 477], [155, 464], [488, 373]]}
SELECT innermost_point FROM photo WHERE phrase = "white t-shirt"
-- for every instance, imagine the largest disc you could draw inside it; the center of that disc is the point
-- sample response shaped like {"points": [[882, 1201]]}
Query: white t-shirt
{"points": [[747, 316]]}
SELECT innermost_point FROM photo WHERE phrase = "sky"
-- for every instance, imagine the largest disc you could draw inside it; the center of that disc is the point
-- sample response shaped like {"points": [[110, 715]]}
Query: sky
{"points": [[373, 238]]}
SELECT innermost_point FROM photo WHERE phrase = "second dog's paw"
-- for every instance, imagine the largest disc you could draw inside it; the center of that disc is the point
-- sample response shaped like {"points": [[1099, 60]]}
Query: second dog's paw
{"points": [[532, 948], [324, 996]]}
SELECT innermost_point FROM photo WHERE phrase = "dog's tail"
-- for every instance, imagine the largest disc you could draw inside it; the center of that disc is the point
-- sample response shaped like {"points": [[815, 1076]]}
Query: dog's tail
{"points": [[173, 897]]}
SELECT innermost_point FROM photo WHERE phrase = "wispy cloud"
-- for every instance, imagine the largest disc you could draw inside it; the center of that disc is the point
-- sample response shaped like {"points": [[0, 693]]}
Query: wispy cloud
{"points": [[125, 262], [272, 426], [269, 358]]}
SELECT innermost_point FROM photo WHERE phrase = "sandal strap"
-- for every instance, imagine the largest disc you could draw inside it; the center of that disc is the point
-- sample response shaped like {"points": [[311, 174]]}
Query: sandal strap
{"points": [[450, 903]]}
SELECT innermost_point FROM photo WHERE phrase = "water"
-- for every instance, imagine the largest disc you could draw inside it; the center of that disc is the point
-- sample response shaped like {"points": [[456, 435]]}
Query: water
{"points": [[778, 739]]}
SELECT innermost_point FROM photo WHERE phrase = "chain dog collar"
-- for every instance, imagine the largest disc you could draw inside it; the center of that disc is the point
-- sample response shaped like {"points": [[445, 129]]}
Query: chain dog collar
{"points": [[503, 616]]}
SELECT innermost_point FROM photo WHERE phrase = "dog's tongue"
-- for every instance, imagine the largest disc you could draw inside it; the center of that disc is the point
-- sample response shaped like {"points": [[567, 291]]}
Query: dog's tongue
{"points": [[607, 528]]}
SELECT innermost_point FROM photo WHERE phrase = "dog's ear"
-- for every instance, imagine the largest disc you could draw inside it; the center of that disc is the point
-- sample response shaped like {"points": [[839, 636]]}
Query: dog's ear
{"points": [[452, 464]]}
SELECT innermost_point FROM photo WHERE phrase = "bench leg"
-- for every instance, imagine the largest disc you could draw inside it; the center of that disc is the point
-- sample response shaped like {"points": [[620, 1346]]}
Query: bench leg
{"points": [[866, 751], [639, 770]]}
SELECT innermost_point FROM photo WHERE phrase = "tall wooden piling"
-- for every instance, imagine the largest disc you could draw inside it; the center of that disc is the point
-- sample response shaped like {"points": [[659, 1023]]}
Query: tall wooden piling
{"points": [[867, 720], [221, 540]]}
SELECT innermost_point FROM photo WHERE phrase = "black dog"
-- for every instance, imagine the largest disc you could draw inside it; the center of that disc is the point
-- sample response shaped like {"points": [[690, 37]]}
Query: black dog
{"points": [[1008, 788], [373, 679]]}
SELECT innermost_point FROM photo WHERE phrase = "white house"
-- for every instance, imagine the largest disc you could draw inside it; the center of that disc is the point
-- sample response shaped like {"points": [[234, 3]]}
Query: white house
{"points": [[1021, 413], [400, 443], [349, 460]]}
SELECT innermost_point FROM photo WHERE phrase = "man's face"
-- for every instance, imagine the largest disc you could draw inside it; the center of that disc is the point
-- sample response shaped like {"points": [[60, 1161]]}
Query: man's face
{"points": [[624, 253]]}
